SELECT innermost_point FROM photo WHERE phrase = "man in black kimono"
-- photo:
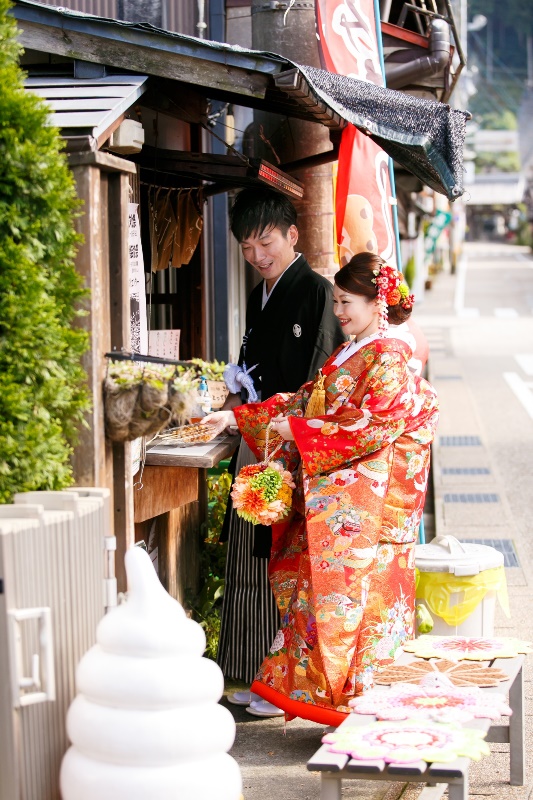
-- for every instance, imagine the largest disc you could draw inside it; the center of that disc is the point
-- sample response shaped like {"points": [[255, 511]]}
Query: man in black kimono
{"points": [[290, 332], [290, 325]]}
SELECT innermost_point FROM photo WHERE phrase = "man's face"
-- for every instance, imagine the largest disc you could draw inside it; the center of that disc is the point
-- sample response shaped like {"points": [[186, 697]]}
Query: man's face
{"points": [[270, 252]]}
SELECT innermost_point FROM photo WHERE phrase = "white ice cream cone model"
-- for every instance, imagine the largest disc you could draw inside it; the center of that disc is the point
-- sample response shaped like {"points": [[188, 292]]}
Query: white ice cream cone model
{"points": [[146, 723]]}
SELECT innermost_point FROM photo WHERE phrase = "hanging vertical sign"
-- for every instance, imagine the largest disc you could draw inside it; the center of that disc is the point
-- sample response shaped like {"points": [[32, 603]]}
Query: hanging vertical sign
{"points": [[348, 44], [138, 326]]}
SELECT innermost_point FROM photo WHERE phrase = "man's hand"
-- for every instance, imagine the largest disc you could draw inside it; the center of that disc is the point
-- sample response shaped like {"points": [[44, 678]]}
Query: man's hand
{"points": [[219, 421], [232, 401], [281, 425]]}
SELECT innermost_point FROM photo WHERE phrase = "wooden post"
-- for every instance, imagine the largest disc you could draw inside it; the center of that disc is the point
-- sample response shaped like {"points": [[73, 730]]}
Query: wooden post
{"points": [[92, 458], [103, 185], [119, 295]]}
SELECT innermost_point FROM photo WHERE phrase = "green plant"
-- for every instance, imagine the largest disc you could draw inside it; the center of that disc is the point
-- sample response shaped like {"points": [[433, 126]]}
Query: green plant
{"points": [[206, 606], [218, 488], [524, 236], [502, 120], [409, 271], [43, 395], [497, 162], [212, 370], [127, 374]]}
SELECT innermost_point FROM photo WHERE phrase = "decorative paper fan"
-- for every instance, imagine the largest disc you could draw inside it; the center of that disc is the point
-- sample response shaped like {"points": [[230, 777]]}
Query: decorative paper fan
{"points": [[461, 673], [435, 698], [473, 648], [408, 741]]}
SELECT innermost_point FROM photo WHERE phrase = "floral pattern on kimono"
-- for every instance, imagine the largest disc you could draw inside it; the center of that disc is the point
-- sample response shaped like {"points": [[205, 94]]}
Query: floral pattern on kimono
{"points": [[342, 564]]}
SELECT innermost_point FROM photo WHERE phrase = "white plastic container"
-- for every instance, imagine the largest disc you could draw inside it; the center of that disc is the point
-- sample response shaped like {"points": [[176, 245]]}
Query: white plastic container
{"points": [[446, 554]]}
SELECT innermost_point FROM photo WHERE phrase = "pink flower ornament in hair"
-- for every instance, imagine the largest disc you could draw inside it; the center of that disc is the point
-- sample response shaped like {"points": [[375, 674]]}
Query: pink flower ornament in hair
{"points": [[392, 291]]}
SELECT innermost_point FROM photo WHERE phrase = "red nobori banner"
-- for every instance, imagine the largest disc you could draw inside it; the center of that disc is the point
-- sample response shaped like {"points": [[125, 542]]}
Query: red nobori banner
{"points": [[348, 45]]}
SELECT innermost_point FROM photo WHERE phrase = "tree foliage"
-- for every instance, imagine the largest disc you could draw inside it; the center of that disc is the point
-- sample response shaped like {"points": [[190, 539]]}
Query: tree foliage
{"points": [[42, 383], [502, 120], [498, 162], [514, 14]]}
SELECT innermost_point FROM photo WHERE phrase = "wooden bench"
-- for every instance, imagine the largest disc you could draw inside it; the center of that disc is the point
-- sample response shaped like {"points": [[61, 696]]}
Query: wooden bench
{"points": [[335, 767]]}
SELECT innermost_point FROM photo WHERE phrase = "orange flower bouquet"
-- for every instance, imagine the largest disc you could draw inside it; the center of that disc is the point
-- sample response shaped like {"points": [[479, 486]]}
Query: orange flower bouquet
{"points": [[262, 493]]}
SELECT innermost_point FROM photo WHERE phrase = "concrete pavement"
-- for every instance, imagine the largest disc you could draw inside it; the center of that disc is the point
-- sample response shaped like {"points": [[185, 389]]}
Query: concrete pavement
{"points": [[479, 323], [480, 327]]}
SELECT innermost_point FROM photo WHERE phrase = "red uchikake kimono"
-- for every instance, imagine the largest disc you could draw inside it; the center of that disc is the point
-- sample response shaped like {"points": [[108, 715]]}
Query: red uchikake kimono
{"points": [[342, 563]]}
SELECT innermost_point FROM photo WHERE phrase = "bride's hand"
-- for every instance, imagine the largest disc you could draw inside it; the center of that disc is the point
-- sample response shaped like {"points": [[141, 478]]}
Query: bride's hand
{"points": [[219, 421], [281, 425]]}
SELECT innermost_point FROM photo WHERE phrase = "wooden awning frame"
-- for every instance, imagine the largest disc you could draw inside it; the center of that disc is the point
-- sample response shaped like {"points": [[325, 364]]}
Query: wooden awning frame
{"points": [[260, 80]]}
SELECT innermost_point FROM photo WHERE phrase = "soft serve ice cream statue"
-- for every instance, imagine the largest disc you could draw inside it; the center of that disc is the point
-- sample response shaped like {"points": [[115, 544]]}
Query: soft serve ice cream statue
{"points": [[146, 723]]}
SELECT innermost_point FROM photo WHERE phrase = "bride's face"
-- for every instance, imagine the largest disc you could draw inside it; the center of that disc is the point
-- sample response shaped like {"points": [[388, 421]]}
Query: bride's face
{"points": [[357, 315]]}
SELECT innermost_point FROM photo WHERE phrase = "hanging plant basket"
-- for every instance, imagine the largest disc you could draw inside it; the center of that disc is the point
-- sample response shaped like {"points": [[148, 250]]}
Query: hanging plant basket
{"points": [[141, 399]]}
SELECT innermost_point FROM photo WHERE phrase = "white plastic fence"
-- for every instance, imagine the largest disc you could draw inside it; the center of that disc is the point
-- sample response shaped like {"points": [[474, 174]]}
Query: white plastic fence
{"points": [[56, 579]]}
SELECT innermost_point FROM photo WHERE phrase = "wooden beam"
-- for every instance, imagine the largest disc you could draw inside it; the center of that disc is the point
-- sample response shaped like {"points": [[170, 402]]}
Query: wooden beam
{"points": [[156, 55], [196, 165], [105, 161], [312, 161], [403, 35]]}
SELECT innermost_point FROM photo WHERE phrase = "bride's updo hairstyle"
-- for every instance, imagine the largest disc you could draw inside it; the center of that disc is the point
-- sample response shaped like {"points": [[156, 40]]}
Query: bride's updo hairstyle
{"points": [[363, 275]]}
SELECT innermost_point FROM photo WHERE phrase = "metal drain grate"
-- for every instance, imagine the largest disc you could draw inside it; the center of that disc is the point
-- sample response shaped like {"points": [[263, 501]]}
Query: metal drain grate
{"points": [[460, 441], [471, 498], [505, 546], [465, 471]]}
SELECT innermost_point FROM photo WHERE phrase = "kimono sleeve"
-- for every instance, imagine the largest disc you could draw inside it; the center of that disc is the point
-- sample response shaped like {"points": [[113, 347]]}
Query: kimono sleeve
{"points": [[337, 440], [253, 419]]}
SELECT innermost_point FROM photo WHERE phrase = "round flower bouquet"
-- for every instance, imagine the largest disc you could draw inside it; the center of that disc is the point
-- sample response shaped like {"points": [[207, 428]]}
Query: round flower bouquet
{"points": [[262, 493]]}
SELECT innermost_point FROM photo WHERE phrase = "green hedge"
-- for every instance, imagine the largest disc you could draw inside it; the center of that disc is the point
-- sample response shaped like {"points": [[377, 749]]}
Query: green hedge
{"points": [[43, 393]]}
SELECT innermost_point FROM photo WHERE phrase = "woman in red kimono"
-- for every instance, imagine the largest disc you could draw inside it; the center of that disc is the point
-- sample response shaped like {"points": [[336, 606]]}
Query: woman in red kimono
{"points": [[342, 562]]}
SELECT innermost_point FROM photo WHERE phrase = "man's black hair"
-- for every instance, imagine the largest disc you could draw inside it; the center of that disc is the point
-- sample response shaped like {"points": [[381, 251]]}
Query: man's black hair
{"points": [[254, 210]]}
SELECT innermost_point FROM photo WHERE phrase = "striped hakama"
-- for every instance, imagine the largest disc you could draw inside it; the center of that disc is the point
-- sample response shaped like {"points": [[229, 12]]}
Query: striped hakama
{"points": [[250, 617]]}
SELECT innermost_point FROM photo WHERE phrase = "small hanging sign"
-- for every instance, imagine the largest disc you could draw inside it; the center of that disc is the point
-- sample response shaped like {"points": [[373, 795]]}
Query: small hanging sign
{"points": [[139, 329]]}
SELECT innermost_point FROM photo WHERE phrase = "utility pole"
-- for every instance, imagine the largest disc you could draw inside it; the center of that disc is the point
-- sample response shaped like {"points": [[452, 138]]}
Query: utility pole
{"points": [[288, 28]]}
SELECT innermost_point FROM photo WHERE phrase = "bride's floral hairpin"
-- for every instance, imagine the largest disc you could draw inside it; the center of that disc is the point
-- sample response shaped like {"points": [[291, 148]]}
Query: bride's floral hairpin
{"points": [[392, 291]]}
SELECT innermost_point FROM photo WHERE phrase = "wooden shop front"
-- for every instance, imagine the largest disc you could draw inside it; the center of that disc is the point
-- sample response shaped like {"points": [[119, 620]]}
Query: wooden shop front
{"points": [[135, 108], [135, 138]]}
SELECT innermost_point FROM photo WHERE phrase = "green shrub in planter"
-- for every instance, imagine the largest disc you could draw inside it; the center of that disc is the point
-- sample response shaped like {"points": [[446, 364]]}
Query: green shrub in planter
{"points": [[42, 384], [206, 607]]}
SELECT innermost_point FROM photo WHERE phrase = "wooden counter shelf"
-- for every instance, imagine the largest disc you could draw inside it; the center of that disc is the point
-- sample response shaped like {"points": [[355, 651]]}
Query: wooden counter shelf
{"points": [[170, 478], [201, 455]]}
